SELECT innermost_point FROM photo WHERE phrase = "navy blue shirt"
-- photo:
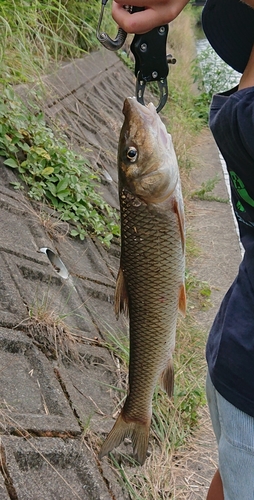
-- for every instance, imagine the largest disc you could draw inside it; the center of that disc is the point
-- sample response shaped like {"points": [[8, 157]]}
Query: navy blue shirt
{"points": [[230, 346]]}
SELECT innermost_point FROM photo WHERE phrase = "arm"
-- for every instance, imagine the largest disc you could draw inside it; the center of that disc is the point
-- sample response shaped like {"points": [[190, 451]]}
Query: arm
{"points": [[156, 12], [247, 79]]}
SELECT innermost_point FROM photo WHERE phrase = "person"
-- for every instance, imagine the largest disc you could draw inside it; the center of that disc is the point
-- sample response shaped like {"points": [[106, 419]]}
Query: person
{"points": [[229, 27]]}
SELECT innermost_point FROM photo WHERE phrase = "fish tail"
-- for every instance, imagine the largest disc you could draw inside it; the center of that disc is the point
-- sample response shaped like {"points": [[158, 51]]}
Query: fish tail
{"points": [[136, 430]]}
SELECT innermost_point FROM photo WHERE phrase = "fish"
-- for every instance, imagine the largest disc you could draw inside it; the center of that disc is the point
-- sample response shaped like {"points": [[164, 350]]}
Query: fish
{"points": [[150, 285]]}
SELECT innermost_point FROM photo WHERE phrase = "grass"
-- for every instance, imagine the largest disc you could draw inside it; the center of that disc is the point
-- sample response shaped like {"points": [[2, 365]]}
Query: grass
{"points": [[183, 121], [38, 35], [51, 329]]}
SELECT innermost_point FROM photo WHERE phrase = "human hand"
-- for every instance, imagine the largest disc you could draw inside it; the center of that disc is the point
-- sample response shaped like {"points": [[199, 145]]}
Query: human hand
{"points": [[156, 13]]}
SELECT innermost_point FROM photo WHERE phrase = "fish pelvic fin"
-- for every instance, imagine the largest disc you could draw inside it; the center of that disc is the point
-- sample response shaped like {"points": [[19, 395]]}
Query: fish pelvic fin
{"points": [[167, 379], [136, 430], [182, 299], [121, 295]]}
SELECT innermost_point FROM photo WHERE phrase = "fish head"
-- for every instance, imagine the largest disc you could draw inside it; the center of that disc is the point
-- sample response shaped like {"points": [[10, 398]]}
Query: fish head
{"points": [[146, 158]]}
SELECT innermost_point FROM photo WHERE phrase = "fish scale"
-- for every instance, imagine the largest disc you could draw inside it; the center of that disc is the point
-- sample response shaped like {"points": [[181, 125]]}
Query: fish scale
{"points": [[150, 282]]}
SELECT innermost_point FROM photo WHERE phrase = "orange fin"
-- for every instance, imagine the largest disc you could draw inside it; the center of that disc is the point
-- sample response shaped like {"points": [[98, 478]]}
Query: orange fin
{"points": [[137, 431], [182, 299], [167, 379], [121, 295], [178, 209]]}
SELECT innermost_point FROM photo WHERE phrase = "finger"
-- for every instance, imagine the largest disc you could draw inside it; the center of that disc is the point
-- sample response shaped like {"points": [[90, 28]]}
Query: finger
{"points": [[138, 3], [139, 22]]}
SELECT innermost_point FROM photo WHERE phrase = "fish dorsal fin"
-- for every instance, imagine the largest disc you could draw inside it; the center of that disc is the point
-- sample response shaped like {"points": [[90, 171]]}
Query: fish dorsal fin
{"points": [[182, 299], [121, 295], [178, 209], [167, 379]]}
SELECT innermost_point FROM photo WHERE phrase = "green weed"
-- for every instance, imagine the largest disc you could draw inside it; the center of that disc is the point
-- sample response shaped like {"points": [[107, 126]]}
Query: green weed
{"points": [[204, 192], [52, 172], [199, 292]]}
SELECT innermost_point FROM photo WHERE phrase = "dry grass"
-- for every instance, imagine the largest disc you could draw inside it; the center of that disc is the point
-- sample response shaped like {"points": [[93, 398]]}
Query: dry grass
{"points": [[51, 334], [195, 465], [52, 224], [180, 124]]}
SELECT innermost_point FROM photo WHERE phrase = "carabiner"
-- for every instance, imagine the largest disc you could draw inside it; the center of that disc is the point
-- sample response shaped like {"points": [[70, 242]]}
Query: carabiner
{"points": [[108, 42], [163, 89]]}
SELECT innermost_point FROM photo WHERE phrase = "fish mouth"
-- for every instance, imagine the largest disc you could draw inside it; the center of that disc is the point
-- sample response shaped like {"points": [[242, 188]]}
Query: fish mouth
{"points": [[133, 108], [146, 116], [134, 111]]}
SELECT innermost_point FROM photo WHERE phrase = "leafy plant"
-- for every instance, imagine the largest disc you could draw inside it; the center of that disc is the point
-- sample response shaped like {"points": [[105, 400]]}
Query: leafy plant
{"points": [[217, 76], [211, 76], [204, 192], [52, 172]]}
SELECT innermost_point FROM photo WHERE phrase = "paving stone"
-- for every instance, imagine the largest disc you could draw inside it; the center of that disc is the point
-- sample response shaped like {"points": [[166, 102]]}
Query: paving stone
{"points": [[30, 396], [84, 260], [89, 387], [3, 491], [52, 469], [12, 309], [12, 229]]}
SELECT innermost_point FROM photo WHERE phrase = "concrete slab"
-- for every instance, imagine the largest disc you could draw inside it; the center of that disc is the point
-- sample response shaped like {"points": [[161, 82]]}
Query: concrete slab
{"points": [[3, 491], [31, 399], [52, 469], [12, 309]]}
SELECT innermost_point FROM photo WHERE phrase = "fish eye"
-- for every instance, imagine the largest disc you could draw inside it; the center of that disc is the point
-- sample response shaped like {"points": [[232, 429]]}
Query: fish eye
{"points": [[132, 154]]}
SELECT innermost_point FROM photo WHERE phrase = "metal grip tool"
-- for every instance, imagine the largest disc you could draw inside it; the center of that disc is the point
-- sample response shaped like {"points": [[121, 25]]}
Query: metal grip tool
{"points": [[150, 53]]}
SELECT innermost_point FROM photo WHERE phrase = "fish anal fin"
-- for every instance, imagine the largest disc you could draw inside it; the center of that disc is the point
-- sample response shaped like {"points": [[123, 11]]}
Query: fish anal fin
{"points": [[136, 430], [182, 299], [167, 379], [121, 295], [178, 209]]}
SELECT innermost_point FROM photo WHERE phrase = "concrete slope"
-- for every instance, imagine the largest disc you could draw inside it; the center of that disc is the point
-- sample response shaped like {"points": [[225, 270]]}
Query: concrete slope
{"points": [[47, 399]]}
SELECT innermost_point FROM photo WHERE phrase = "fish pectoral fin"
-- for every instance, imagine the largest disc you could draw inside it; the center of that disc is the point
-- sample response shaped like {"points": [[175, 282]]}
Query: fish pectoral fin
{"points": [[167, 379], [182, 299], [121, 295], [178, 209], [137, 431]]}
